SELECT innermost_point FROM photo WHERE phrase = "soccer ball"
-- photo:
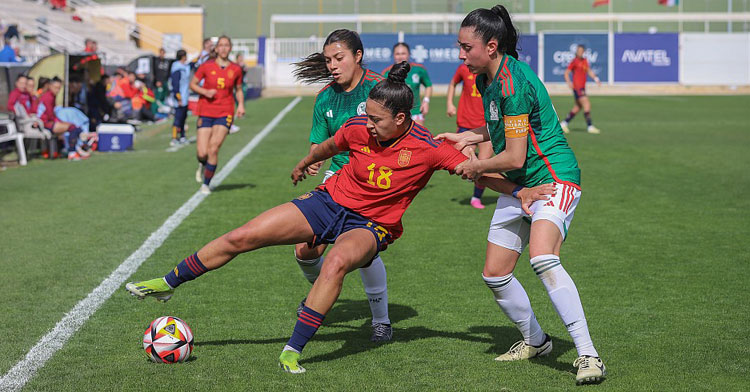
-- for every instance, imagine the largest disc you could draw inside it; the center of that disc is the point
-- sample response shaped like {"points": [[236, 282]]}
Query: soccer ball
{"points": [[168, 340]]}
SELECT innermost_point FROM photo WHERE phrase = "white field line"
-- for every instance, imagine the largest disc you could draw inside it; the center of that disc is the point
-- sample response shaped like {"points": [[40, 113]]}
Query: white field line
{"points": [[54, 340]]}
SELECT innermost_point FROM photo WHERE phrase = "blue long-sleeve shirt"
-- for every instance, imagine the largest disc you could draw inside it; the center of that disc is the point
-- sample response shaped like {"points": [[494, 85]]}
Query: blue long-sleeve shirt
{"points": [[179, 80]]}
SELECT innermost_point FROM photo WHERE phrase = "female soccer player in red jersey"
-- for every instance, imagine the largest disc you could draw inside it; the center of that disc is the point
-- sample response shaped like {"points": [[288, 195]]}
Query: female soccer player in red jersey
{"points": [[470, 116], [531, 149], [340, 64], [222, 84], [579, 67], [358, 209]]}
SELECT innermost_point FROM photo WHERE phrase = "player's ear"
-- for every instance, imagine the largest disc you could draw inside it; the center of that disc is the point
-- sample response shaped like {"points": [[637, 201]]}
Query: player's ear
{"points": [[492, 47], [358, 57], [400, 118]]}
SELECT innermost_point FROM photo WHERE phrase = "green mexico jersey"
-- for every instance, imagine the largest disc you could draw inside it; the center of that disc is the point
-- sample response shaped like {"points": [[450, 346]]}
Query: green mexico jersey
{"points": [[416, 77], [333, 106], [516, 104]]}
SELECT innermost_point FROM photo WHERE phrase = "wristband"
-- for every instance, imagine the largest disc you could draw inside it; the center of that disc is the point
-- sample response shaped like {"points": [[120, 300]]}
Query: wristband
{"points": [[426, 99], [516, 190]]}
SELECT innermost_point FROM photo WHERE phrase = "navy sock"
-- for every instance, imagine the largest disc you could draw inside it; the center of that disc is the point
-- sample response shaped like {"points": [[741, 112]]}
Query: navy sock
{"points": [[478, 191], [182, 132], [307, 324], [588, 118], [208, 173], [188, 269], [570, 117]]}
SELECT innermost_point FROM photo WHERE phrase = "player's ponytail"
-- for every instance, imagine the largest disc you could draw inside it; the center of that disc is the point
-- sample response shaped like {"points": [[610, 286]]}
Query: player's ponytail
{"points": [[393, 93], [494, 23], [313, 69]]}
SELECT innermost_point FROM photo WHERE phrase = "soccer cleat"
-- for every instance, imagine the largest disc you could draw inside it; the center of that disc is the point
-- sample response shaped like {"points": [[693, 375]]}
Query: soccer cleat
{"points": [[521, 350], [301, 306], [288, 361], [477, 203], [591, 370], [205, 189], [233, 129], [199, 173], [593, 130], [184, 140], [381, 332], [156, 288], [564, 127], [73, 156], [173, 142]]}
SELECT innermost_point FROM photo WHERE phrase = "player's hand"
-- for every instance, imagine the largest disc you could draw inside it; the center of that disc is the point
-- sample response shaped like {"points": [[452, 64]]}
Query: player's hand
{"points": [[209, 93], [450, 111], [570, 86], [540, 192], [314, 169], [298, 174], [424, 108], [455, 138], [469, 170], [240, 111], [598, 82]]}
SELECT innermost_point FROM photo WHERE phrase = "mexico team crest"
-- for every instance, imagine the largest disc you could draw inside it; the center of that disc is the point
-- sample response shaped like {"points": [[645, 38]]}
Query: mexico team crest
{"points": [[361, 109], [404, 156]]}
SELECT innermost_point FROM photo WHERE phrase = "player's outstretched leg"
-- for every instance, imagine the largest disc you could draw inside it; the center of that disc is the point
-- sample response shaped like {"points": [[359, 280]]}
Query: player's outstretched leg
{"points": [[352, 250], [564, 295], [282, 225], [513, 301]]}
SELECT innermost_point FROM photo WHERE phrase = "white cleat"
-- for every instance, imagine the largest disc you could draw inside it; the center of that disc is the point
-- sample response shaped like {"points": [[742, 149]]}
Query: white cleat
{"points": [[199, 173], [593, 130], [234, 129], [205, 189], [564, 127], [591, 370], [521, 350]]}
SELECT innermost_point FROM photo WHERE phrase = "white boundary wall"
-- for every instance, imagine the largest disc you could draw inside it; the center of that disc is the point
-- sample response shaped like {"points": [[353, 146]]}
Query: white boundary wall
{"points": [[714, 59]]}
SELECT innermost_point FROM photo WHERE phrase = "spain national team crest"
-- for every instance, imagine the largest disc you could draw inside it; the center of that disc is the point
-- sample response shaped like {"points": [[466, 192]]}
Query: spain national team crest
{"points": [[404, 156], [230, 73], [361, 108]]}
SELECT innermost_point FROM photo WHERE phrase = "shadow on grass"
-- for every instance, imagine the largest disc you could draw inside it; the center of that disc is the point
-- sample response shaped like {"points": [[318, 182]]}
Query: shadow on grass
{"points": [[357, 339], [488, 201], [231, 187]]}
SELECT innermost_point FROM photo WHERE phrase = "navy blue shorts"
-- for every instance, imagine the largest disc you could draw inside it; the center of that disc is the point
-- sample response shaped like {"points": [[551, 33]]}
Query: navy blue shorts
{"points": [[579, 92], [208, 122], [329, 220]]}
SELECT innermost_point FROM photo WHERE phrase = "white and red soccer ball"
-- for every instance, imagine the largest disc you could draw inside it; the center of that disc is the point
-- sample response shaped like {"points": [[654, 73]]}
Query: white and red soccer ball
{"points": [[168, 340]]}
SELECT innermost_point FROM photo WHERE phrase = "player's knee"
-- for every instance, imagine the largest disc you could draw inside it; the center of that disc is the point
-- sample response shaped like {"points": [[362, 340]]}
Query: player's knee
{"points": [[335, 268], [241, 240]]}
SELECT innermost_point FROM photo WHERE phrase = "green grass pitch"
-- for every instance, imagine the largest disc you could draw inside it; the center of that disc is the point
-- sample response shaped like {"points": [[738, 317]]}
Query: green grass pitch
{"points": [[658, 250]]}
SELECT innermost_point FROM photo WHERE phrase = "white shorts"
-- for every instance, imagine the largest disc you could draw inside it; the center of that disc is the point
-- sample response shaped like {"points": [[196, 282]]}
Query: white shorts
{"points": [[418, 117], [510, 226]]}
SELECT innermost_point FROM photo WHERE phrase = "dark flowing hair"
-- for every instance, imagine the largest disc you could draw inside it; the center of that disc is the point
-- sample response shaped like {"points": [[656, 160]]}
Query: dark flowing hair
{"points": [[494, 23], [404, 44], [393, 93], [313, 69]]}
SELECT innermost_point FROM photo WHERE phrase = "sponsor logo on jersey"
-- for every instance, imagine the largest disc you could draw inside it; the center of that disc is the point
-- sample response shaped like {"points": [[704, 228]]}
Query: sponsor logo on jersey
{"points": [[494, 115], [305, 196], [365, 149], [404, 156], [361, 108], [329, 113], [415, 78]]}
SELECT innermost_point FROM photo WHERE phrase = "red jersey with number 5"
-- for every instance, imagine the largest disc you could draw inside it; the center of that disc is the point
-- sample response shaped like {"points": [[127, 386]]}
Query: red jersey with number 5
{"points": [[470, 109], [380, 181], [222, 79]]}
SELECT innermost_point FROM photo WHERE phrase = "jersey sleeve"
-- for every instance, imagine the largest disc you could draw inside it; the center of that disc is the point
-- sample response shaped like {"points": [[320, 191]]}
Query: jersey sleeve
{"points": [[319, 132], [445, 157], [458, 77], [425, 79], [571, 65], [516, 109], [201, 72], [348, 134]]}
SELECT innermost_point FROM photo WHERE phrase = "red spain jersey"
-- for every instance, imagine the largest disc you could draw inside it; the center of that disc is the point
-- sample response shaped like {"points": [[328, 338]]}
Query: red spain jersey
{"points": [[380, 182], [470, 110], [580, 68], [222, 79]]}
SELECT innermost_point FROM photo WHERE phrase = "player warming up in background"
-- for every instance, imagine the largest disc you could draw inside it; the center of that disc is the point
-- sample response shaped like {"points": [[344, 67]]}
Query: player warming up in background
{"points": [[179, 78], [470, 116], [358, 209], [580, 69], [417, 77], [531, 149], [344, 97], [222, 83]]}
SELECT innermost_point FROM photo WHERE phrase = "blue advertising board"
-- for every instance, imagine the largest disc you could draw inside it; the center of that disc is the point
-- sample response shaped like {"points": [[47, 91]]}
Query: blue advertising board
{"points": [[646, 57], [560, 49], [437, 52], [528, 51]]}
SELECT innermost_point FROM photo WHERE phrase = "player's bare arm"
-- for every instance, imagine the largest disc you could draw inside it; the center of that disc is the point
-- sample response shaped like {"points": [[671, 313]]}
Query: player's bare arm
{"points": [[314, 169], [498, 183], [468, 138], [240, 96], [594, 77], [450, 109], [209, 93], [567, 79], [323, 151], [512, 158]]}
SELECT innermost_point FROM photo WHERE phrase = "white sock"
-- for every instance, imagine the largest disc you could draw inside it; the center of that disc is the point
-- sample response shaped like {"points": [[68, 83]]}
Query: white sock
{"points": [[512, 299], [310, 268], [376, 288], [290, 348], [564, 295]]}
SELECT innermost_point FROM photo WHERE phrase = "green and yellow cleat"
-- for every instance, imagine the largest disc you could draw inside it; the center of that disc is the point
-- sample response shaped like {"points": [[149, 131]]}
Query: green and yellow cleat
{"points": [[156, 288], [591, 370], [288, 362]]}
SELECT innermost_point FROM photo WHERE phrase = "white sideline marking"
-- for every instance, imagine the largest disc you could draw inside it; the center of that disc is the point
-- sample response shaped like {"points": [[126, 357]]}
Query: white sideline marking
{"points": [[54, 340]]}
